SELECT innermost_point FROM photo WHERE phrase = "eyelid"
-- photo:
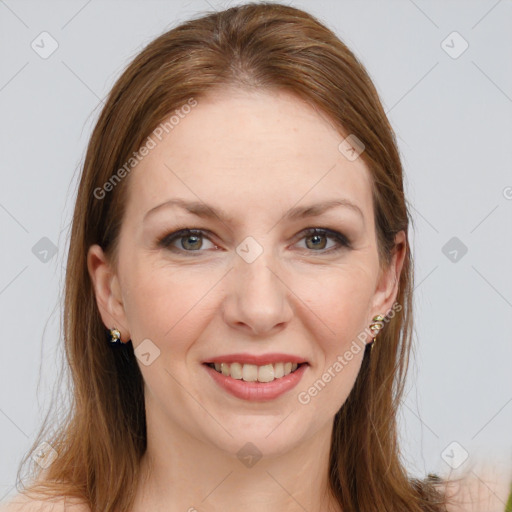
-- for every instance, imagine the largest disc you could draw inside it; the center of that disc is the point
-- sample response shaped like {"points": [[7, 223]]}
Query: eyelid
{"points": [[168, 238], [342, 240]]}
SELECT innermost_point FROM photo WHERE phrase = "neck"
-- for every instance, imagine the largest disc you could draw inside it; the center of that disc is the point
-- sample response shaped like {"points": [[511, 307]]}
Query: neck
{"points": [[181, 473]]}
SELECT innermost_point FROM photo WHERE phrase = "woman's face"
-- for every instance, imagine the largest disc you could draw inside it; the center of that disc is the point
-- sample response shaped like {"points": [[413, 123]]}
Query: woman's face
{"points": [[253, 281]]}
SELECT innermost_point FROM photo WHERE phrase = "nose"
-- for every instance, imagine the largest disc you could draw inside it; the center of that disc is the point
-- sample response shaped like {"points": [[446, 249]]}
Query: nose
{"points": [[257, 297]]}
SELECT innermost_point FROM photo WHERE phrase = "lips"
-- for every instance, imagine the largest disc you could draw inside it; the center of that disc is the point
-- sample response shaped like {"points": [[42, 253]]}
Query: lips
{"points": [[257, 391]]}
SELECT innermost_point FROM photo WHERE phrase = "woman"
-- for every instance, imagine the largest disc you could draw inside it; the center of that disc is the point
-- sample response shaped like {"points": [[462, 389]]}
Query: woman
{"points": [[239, 283]]}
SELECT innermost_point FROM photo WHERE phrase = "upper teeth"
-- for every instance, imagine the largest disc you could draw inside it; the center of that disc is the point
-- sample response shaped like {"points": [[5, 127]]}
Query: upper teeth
{"points": [[253, 373]]}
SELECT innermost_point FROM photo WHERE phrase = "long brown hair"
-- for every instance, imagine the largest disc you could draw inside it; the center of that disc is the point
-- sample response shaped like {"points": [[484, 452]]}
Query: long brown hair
{"points": [[99, 443]]}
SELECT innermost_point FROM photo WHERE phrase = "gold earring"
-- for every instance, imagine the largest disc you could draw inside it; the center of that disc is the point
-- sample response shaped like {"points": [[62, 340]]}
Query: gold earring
{"points": [[115, 336], [375, 327]]}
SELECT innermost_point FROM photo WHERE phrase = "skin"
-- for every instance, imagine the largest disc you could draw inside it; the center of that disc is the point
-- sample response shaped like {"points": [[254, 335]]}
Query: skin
{"points": [[255, 155]]}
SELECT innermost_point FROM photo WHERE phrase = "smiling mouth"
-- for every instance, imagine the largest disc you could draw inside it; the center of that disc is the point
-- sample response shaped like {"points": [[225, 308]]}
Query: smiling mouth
{"points": [[255, 373]]}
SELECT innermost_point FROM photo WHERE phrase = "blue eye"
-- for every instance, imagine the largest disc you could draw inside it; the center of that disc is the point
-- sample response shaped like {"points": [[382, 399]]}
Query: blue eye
{"points": [[192, 240]]}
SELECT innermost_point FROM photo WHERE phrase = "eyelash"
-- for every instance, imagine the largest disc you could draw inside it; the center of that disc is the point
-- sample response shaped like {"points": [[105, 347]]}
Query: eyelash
{"points": [[340, 239]]}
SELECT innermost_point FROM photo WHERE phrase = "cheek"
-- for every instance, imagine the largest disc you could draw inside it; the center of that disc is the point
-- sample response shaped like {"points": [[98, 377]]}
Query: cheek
{"points": [[337, 308], [166, 305], [173, 305], [336, 303]]}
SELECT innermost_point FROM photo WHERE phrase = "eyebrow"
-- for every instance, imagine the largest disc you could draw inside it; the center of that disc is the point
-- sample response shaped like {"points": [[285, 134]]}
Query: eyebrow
{"points": [[203, 210]]}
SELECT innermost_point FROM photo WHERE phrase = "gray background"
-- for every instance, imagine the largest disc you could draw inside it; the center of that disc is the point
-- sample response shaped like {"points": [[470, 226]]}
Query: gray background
{"points": [[453, 121]]}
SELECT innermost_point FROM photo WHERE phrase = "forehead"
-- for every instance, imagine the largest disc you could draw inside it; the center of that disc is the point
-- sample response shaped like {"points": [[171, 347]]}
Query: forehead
{"points": [[256, 147]]}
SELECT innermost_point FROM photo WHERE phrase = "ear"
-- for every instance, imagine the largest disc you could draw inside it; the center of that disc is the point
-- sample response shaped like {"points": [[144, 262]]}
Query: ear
{"points": [[389, 278], [107, 291]]}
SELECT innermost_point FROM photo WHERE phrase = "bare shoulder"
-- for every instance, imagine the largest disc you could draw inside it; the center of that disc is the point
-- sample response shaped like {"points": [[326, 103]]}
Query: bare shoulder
{"points": [[23, 503], [482, 489]]}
